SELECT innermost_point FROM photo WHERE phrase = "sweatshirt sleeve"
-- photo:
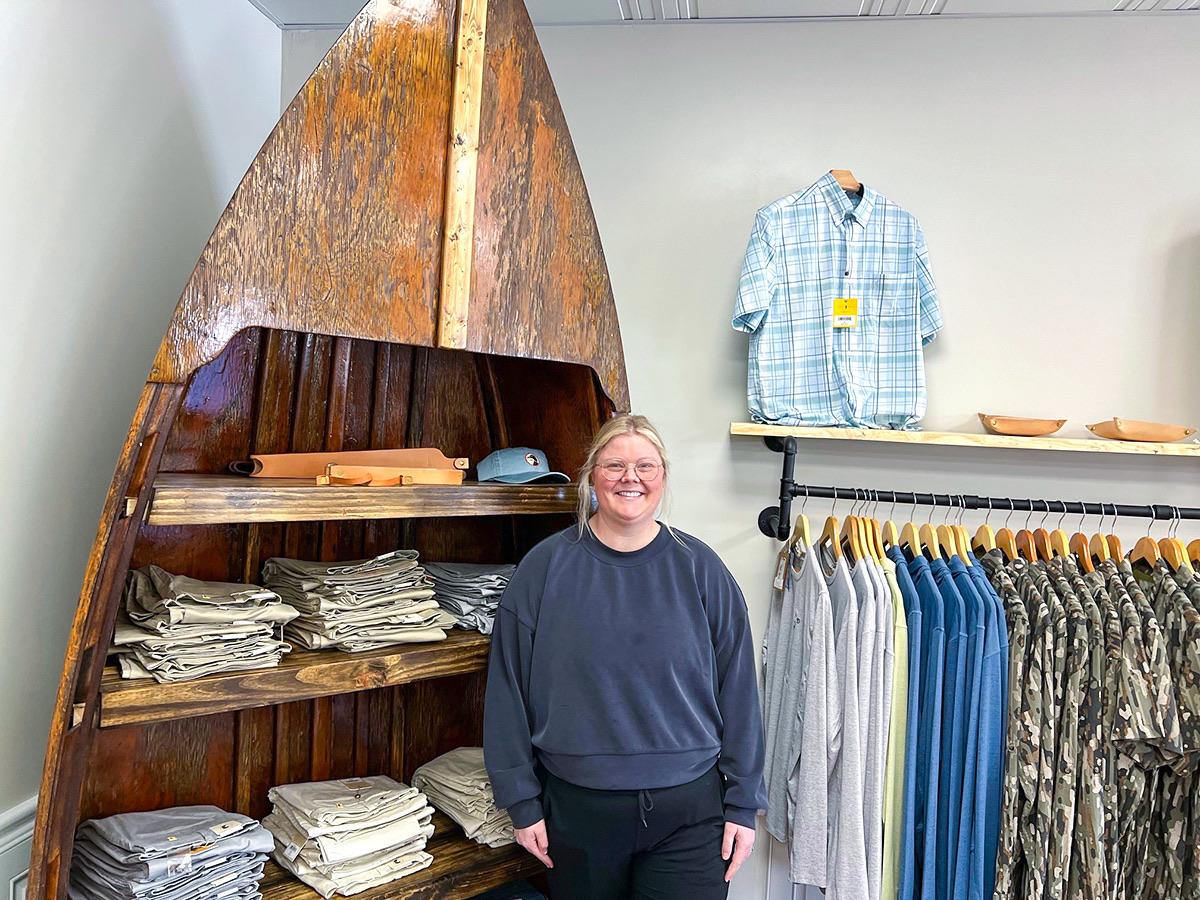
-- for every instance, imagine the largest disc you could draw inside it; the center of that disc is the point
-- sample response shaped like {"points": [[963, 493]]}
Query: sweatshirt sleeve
{"points": [[507, 747], [741, 760]]}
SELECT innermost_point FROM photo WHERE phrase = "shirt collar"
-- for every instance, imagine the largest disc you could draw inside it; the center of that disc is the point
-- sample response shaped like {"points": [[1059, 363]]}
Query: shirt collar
{"points": [[839, 204]]}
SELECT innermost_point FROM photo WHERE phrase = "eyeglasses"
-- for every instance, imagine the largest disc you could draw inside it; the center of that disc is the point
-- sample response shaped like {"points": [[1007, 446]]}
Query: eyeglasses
{"points": [[646, 469]]}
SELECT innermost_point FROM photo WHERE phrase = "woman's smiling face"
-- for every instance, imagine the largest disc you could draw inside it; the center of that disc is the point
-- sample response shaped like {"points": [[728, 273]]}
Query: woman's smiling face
{"points": [[628, 498]]}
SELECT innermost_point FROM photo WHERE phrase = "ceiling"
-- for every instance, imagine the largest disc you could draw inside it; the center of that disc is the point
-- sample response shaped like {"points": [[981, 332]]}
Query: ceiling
{"points": [[336, 13]]}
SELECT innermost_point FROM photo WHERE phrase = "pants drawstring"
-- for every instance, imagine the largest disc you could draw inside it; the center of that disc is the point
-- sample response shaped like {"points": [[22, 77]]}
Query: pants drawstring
{"points": [[645, 804]]}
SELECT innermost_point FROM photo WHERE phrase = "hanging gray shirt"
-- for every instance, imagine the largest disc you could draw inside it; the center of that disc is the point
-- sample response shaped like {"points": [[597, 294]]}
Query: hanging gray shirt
{"points": [[847, 849], [804, 680]]}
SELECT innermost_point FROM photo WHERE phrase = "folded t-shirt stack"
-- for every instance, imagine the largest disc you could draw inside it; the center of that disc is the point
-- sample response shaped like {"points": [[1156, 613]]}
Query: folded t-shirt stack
{"points": [[470, 591], [458, 785], [173, 628], [345, 836], [181, 853], [360, 605]]}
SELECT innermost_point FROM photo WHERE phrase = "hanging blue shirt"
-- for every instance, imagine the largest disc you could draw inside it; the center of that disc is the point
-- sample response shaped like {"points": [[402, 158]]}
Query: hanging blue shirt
{"points": [[994, 700], [929, 739], [914, 618], [967, 880], [806, 250], [954, 706]]}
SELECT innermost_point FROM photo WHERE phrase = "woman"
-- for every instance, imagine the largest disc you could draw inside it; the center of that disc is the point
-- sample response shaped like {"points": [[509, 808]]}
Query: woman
{"points": [[622, 729]]}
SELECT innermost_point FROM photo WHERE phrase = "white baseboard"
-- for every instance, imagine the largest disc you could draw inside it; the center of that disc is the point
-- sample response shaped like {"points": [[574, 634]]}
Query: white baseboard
{"points": [[16, 837]]}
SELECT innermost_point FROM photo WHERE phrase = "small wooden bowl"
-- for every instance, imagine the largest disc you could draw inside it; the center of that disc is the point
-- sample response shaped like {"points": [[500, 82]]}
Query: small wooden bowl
{"points": [[1019, 427], [1132, 430]]}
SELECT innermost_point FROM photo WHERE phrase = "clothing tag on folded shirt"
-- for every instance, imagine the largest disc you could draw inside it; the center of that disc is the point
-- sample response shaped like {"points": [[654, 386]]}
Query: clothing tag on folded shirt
{"points": [[179, 865], [291, 850], [845, 312], [355, 784], [226, 828], [780, 570]]}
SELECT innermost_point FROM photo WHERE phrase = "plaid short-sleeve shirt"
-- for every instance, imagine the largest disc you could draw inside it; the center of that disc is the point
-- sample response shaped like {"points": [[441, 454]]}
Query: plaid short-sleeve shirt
{"points": [[806, 250]]}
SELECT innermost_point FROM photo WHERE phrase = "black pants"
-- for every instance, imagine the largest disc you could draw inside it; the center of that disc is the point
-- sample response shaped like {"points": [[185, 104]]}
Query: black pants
{"points": [[657, 844]]}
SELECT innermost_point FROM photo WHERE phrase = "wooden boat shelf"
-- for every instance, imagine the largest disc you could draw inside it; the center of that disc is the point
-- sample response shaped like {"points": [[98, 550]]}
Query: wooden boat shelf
{"points": [[460, 868], [182, 499], [410, 261], [961, 439], [301, 675]]}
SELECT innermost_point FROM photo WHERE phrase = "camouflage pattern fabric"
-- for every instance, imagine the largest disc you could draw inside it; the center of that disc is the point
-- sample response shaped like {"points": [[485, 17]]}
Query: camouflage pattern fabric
{"points": [[1010, 874], [1088, 875], [1101, 789]]}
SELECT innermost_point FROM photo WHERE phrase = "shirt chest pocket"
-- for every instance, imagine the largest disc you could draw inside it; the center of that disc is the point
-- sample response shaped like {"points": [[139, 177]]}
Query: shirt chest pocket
{"points": [[888, 295]]}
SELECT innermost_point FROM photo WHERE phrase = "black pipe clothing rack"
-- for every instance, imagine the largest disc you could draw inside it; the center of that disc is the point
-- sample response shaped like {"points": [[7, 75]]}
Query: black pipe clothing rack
{"points": [[774, 521]]}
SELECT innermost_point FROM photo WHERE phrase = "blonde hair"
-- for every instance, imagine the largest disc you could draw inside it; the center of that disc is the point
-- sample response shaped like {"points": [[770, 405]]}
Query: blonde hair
{"points": [[627, 423]]}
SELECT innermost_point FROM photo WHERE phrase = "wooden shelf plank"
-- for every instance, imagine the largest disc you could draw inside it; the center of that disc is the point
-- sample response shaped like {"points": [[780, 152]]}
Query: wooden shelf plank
{"points": [[461, 868], [301, 675], [182, 499], [957, 439]]}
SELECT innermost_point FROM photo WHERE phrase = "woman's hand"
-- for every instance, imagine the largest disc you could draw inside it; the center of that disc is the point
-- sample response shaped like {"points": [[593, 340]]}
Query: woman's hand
{"points": [[739, 840], [535, 841]]}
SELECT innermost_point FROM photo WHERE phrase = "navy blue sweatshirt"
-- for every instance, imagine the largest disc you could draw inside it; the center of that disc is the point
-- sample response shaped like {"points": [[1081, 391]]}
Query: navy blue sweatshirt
{"points": [[622, 671]]}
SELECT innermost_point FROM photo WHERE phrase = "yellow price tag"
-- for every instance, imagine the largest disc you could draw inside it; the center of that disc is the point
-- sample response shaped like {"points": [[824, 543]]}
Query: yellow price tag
{"points": [[845, 312]]}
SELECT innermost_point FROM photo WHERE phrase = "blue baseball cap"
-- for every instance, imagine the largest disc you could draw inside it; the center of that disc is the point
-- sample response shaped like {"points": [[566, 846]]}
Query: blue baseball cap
{"points": [[519, 465]]}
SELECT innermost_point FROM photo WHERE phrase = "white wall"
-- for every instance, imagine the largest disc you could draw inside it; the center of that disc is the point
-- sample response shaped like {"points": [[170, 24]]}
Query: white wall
{"points": [[1055, 167], [303, 49], [128, 125]]}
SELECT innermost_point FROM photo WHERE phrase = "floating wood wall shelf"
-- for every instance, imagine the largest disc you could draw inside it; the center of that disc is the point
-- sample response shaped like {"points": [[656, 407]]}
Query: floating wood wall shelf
{"points": [[411, 260]]}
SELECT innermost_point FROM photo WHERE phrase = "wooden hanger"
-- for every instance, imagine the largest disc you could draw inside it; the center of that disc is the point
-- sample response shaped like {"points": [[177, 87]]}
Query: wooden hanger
{"points": [[985, 539], [910, 539], [800, 530], [1005, 539], [1172, 549], [1194, 551], [829, 537], [875, 535], [1078, 545], [847, 181], [1114, 546], [1082, 549], [851, 538], [948, 539], [1041, 538], [891, 535], [1026, 545], [962, 538], [1174, 553], [1007, 542], [1145, 550], [930, 541], [1059, 546]]}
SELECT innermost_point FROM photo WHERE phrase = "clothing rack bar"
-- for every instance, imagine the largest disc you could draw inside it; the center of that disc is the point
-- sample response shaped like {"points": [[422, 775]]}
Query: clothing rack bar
{"points": [[774, 521]]}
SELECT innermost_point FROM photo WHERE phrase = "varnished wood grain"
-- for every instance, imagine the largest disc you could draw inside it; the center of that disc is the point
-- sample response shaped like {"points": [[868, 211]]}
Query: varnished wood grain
{"points": [[961, 439], [458, 233], [540, 283], [461, 868], [301, 675], [182, 499], [177, 764], [336, 227]]}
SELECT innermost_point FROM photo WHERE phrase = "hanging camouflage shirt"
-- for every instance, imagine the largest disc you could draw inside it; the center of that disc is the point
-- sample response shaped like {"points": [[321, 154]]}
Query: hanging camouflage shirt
{"points": [[1010, 875], [1037, 770], [1146, 857], [1170, 850], [1087, 875], [1074, 657]]}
